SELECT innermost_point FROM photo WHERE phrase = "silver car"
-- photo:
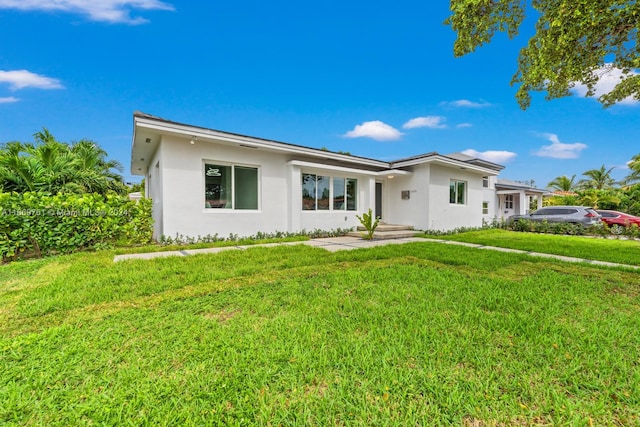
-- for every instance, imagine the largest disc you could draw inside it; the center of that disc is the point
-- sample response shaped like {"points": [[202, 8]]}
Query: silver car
{"points": [[569, 214]]}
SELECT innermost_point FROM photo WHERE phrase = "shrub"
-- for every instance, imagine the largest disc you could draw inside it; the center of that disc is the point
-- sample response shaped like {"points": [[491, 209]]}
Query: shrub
{"points": [[369, 223], [36, 223]]}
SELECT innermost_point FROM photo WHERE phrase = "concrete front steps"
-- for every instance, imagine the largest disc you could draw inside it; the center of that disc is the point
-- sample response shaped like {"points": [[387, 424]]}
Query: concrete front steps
{"points": [[387, 231]]}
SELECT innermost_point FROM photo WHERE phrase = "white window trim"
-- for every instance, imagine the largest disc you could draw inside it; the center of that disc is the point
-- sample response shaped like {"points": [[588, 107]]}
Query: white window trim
{"points": [[331, 193], [509, 199], [466, 190], [232, 210]]}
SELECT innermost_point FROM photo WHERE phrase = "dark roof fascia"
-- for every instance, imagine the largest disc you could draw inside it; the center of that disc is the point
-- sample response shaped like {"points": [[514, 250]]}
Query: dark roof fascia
{"points": [[519, 187], [323, 153]]}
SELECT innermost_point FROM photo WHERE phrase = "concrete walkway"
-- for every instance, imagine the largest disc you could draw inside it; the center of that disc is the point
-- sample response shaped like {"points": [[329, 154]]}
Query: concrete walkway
{"points": [[343, 243]]}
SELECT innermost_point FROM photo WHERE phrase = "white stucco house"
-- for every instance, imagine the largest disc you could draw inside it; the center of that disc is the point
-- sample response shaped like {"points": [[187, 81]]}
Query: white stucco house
{"points": [[204, 182]]}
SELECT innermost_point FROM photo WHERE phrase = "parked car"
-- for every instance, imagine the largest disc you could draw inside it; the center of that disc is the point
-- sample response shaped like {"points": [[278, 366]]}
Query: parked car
{"points": [[618, 221], [570, 214]]}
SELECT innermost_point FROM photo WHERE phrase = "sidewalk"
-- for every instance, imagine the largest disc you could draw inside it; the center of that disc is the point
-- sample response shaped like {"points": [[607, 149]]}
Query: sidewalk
{"points": [[332, 244], [346, 243]]}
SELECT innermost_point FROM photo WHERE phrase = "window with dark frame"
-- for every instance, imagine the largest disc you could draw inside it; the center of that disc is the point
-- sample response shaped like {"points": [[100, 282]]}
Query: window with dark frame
{"points": [[508, 201]]}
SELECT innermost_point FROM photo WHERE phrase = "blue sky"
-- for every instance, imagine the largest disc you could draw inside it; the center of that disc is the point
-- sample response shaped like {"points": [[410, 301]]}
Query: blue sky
{"points": [[375, 79]]}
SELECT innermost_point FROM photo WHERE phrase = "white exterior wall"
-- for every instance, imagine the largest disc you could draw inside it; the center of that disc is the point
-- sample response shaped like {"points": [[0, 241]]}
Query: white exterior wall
{"points": [[446, 216], [183, 182], [153, 190], [279, 193], [428, 206], [412, 211], [489, 195]]}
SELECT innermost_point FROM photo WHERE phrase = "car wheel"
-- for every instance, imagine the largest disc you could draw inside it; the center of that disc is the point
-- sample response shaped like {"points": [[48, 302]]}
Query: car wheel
{"points": [[617, 229]]}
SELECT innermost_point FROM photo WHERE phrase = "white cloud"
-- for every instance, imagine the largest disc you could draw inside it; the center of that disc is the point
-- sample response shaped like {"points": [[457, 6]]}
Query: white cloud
{"points": [[465, 103], [8, 100], [464, 125], [559, 150], [113, 11], [20, 79], [609, 77], [494, 156], [376, 129], [432, 122]]}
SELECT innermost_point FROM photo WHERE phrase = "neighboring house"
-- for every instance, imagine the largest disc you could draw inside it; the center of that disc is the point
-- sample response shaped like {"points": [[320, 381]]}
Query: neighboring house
{"points": [[205, 182], [514, 198]]}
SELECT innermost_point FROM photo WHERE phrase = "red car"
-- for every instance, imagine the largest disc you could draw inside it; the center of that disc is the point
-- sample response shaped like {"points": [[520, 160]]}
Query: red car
{"points": [[617, 221]]}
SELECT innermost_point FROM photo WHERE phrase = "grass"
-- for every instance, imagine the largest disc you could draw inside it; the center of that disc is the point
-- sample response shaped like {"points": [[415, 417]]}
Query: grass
{"points": [[202, 245], [413, 334], [611, 250]]}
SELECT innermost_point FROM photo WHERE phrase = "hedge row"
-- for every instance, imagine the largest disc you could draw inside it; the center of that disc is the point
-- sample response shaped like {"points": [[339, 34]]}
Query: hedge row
{"points": [[36, 224]]}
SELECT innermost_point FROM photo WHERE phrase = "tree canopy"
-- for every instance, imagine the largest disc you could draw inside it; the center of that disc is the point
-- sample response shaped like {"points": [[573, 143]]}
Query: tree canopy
{"points": [[575, 42], [53, 166], [598, 179], [634, 167], [563, 183]]}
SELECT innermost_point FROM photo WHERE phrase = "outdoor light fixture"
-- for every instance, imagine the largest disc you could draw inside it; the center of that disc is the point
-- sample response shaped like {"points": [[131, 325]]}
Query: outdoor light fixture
{"points": [[148, 140], [193, 140]]}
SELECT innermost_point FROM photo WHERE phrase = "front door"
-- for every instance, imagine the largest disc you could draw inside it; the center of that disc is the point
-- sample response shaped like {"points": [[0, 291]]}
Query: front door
{"points": [[378, 212]]}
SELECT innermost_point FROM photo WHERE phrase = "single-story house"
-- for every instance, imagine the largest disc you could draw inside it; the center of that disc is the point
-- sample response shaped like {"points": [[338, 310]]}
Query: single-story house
{"points": [[205, 182]]}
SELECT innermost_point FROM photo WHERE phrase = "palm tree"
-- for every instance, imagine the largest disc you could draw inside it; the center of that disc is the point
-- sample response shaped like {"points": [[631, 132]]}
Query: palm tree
{"points": [[52, 166], [634, 166], [599, 179], [562, 183]]}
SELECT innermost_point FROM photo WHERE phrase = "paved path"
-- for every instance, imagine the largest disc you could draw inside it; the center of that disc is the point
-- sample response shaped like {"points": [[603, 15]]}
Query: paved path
{"points": [[343, 243]]}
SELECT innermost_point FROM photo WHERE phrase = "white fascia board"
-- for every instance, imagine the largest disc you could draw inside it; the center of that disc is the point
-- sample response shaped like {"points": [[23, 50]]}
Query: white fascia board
{"points": [[204, 134], [445, 161], [321, 166], [393, 172], [510, 192]]}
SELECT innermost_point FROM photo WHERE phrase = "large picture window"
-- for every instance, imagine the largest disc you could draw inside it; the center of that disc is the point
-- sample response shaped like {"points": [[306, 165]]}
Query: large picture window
{"points": [[457, 192], [230, 187], [317, 193]]}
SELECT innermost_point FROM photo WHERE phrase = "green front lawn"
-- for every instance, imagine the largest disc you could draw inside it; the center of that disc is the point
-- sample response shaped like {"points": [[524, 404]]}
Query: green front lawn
{"points": [[596, 248], [414, 334]]}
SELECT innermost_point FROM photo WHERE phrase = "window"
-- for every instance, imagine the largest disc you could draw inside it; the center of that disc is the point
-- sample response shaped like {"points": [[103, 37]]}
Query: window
{"points": [[457, 192], [339, 196], [316, 194], [485, 182], [352, 194], [508, 201], [485, 208], [230, 187]]}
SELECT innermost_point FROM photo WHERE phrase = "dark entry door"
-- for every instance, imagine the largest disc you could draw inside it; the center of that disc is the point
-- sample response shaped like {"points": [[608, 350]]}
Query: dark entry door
{"points": [[378, 212]]}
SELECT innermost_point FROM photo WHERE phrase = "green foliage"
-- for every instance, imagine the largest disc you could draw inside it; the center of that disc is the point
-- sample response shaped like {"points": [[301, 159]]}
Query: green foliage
{"points": [[572, 41], [630, 199], [612, 249], [369, 223], [634, 167], [260, 236], [53, 166], [597, 179], [36, 223], [420, 334], [562, 183]]}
